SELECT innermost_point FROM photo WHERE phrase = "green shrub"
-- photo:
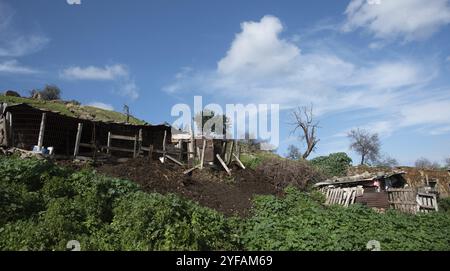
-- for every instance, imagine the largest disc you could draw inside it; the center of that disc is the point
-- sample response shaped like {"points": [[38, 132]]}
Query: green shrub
{"points": [[444, 204], [335, 164], [43, 206], [298, 222], [154, 222]]}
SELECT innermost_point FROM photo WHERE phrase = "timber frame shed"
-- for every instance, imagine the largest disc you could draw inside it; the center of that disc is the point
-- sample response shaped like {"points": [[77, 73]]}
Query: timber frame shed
{"points": [[24, 126]]}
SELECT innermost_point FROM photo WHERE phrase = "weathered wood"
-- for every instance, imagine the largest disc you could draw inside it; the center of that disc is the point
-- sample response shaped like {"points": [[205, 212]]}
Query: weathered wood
{"points": [[202, 158], [108, 151], [119, 149], [174, 160], [87, 145], [164, 147], [9, 117], [223, 164], [135, 146], [42, 131], [121, 137], [77, 140], [191, 169], [238, 161], [230, 155]]}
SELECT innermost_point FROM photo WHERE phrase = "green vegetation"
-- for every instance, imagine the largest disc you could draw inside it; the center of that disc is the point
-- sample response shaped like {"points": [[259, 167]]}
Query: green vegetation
{"points": [[254, 159], [43, 206], [71, 109], [335, 164], [297, 222]]}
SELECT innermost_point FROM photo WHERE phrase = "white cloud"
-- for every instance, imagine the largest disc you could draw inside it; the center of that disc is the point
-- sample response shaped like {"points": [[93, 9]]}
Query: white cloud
{"points": [[13, 67], [130, 90], [118, 73], [259, 39], [107, 73], [405, 19], [102, 106], [262, 67]]}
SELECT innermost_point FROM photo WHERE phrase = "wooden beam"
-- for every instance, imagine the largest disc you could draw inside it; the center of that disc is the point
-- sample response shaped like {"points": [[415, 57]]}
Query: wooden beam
{"points": [[202, 159], [42, 131], [135, 146], [108, 151], [121, 137], [230, 155], [174, 160], [238, 161], [78, 138], [119, 149], [223, 164], [191, 169], [11, 128]]}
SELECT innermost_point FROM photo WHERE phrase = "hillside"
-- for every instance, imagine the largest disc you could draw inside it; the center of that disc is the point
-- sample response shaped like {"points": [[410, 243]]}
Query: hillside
{"points": [[71, 109]]}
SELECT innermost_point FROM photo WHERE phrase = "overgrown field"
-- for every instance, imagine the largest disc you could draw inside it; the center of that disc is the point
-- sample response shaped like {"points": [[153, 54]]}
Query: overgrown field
{"points": [[43, 206]]}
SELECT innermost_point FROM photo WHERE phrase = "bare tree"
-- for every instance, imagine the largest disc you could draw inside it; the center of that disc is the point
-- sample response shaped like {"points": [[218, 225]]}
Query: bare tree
{"points": [[304, 121], [386, 161], [424, 163], [365, 144], [447, 162], [293, 153]]}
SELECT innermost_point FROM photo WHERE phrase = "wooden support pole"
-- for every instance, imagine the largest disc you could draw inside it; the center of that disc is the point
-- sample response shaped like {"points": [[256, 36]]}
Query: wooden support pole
{"points": [[108, 151], [164, 146], [238, 161], [238, 149], [140, 142], [42, 131], [223, 164], [191, 147], [230, 155], [9, 117], [191, 169], [202, 159], [135, 146], [150, 152], [174, 160], [77, 140]]}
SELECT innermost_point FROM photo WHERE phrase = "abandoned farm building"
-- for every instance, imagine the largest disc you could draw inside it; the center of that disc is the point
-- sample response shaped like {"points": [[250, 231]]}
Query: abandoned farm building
{"points": [[25, 127]]}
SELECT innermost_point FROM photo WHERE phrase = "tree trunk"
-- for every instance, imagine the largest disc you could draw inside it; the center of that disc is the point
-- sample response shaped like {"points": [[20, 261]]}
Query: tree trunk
{"points": [[362, 159]]}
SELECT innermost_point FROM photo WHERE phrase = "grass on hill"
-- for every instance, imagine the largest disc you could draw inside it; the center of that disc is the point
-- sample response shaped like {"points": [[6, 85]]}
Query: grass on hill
{"points": [[72, 110]]}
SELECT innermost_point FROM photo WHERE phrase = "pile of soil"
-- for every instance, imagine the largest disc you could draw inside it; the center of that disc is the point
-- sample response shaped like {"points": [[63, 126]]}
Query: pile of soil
{"points": [[213, 188]]}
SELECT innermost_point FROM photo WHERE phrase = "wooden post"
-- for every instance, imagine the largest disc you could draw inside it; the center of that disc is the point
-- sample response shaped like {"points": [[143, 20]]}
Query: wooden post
{"points": [[42, 131], [140, 142], [150, 152], [174, 160], [238, 149], [238, 161], [202, 159], [135, 146], [230, 155], [191, 147], [108, 143], [164, 146], [78, 138], [223, 164], [9, 126]]}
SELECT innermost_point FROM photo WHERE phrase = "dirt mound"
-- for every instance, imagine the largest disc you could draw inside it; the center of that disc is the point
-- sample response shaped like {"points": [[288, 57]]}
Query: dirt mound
{"points": [[209, 187]]}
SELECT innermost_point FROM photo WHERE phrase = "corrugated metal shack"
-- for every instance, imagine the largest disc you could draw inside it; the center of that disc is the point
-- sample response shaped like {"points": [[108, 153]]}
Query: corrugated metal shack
{"points": [[24, 127]]}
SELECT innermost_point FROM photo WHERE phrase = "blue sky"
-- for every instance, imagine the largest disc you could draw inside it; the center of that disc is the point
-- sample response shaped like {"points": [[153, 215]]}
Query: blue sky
{"points": [[379, 65]]}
